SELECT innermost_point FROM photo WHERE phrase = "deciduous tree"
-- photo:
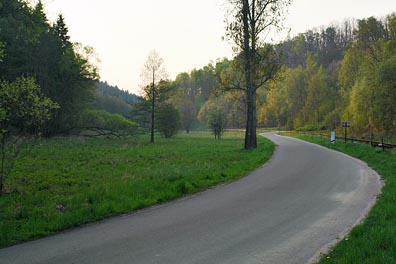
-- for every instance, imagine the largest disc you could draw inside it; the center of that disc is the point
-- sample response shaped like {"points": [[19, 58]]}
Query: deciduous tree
{"points": [[248, 22], [168, 120], [153, 72], [216, 121], [23, 112], [185, 99]]}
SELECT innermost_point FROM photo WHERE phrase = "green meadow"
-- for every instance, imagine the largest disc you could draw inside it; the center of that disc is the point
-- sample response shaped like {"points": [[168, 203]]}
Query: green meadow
{"points": [[62, 183]]}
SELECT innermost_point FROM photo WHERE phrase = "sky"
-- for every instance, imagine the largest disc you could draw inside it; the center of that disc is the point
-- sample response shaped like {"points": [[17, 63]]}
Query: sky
{"points": [[187, 34]]}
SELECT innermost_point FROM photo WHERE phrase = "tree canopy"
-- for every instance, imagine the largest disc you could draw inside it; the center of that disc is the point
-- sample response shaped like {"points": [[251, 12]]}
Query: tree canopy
{"points": [[34, 47], [352, 79]]}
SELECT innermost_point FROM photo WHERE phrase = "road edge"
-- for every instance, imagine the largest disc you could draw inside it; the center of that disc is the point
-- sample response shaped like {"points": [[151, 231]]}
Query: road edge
{"points": [[379, 184]]}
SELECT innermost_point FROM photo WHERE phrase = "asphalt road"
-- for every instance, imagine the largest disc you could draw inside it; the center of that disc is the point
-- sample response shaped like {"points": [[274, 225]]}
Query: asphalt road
{"points": [[284, 212]]}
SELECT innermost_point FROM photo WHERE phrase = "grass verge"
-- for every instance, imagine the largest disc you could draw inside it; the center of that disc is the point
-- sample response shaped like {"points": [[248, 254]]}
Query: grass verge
{"points": [[61, 183], [373, 241]]}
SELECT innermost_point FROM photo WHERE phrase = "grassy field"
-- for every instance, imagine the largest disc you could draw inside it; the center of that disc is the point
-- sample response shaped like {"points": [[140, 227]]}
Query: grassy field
{"points": [[374, 241], [63, 183]]}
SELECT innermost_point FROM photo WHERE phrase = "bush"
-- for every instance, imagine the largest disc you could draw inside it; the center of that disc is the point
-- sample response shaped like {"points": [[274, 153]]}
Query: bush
{"points": [[23, 113], [102, 120], [168, 120], [312, 127], [216, 121]]}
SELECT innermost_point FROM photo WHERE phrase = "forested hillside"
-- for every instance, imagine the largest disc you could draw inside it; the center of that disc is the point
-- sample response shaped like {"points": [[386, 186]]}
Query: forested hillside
{"points": [[343, 72], [31, 46], [114, 100], [34, 47], [340, 72]]}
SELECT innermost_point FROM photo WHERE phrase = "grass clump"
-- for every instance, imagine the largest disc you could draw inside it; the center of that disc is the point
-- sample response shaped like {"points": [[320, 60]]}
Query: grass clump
{"points": [[62, 183], [374, 241]]}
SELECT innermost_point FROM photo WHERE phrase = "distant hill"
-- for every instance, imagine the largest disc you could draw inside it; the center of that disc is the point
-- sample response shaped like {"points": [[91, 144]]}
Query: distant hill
{"points": [[114, 100]]}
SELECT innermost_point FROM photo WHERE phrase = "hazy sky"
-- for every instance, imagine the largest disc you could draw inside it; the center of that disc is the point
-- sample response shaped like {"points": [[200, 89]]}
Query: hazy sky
{"points": [[186, 33]]}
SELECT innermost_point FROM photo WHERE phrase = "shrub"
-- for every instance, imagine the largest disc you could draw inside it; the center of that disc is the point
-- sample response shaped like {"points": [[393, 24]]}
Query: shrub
{"points": [[168, 120], [102, 120], [23, 113], [216, 121], [311, 127]]}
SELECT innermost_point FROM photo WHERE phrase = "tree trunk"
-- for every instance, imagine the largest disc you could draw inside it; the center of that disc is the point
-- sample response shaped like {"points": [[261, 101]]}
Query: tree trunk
{"points": [[152, 119], [250, 134], [251, 124], [152, 108]]}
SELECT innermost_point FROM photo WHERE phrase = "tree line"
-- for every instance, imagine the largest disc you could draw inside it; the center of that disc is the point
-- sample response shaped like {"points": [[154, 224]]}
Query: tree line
{"points": [[194, 99], [348, 75], [33, 47], [343, 72], [114, 100], [316, 79]]}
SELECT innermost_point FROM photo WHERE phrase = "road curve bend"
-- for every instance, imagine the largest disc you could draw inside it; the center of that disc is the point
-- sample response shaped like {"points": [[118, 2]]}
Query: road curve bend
{"points": [[304, 198]]}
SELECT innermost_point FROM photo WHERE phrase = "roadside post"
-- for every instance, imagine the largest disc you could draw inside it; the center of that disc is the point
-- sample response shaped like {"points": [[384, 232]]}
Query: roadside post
{"points": [[332, 137], [345, 125]]}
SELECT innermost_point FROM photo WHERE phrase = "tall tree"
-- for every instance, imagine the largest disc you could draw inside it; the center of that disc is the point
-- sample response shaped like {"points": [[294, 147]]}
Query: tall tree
{"points": [[317, 93], [250, 20], [369, 31], [185, 100], [153, 72], [61, 31]]}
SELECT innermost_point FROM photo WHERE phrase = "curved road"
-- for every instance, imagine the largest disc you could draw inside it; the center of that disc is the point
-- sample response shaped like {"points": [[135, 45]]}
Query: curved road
{"points": [[284, 212]]}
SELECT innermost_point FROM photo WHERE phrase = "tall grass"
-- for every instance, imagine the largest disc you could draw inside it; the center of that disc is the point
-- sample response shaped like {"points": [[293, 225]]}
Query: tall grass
{"points": [[64, 183], [374, 241]]}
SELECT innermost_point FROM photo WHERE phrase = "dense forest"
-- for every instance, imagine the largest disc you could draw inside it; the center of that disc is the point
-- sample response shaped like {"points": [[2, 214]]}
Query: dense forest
{"points": [[33, 47], [328, 75], [114, 100], [340, 72]]}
